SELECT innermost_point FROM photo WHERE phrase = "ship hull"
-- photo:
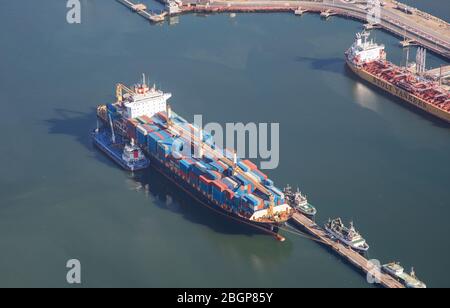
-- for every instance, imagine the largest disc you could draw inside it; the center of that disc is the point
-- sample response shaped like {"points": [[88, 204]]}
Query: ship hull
{"points": [[269, 228], [185, 186], [400, 93], [310, 213]]}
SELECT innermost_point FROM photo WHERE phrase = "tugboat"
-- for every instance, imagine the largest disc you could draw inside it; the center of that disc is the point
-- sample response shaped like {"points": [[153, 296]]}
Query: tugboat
{"points": [[299, 202], [410, 281], [348, 236], [127, 155]]}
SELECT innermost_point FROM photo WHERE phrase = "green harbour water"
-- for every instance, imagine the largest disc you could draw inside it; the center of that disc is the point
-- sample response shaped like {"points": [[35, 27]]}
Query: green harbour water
{"points": [[358, 153]]}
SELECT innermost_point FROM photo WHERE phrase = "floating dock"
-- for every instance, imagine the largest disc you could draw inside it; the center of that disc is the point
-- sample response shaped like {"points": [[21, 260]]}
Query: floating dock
{"points": [[351, 256]]}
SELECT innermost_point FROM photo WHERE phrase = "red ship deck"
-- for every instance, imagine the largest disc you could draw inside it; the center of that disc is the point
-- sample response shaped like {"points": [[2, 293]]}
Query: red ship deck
{"points": [[428, 90]]}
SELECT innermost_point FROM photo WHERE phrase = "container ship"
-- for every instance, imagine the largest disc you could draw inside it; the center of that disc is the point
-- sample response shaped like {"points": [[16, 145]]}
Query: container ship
{"points": [[188, 157], [410, 83]]}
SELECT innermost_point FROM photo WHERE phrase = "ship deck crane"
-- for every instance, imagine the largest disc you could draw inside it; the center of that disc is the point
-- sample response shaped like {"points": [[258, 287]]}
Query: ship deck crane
{"points": [[120, 88]]}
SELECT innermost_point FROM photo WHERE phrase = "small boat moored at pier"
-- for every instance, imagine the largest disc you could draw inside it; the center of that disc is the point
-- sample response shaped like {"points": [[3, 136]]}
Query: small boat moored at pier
{"points": [[348, 236], [410, 281], [299, 202]]}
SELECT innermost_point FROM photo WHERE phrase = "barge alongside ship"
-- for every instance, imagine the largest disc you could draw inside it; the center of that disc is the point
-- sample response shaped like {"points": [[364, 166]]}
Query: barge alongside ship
{"points": [[368, 60], [188, 157], [127, 156]]}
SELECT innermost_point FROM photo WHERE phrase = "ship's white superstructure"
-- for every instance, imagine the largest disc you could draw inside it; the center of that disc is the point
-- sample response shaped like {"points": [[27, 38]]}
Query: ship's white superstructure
{"points": [[132, 153], [299, 201], [364, 50], [409, 280], [173, 7], [349, 236], [145, 101]]}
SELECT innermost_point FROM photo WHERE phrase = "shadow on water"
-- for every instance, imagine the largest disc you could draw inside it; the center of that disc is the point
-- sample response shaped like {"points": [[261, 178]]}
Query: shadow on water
{"points": [[170, 197], [78, 125], [333, 65], [73, 123], [166, 196]]}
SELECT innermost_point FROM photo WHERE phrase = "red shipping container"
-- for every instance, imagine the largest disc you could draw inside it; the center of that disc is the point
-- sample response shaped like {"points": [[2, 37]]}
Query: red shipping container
{"points": [[260, 201], [159, 135], [259, 172], [148, 128], [217, 174], [162, 115], [219, 185], [147, 119], [204, 180], [249, 189], [229, 194], [249, 164]]}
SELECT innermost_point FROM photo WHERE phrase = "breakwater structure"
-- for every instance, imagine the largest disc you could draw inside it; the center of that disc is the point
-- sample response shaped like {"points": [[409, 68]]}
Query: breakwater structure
{"points": [[141, 9], [349, 255]]}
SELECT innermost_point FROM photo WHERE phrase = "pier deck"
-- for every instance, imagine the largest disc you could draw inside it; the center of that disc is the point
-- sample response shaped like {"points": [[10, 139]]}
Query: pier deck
{"points": [[417, 26], [141, 9], [443, 72], [414, 25], [346, 253]]}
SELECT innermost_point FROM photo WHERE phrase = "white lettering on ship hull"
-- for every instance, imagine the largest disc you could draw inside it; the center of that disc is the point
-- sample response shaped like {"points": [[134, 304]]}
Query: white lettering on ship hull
{"points": [[399, 93]]}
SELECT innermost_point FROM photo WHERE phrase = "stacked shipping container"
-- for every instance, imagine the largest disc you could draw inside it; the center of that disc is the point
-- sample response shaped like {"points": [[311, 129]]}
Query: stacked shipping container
{"points": [[211, 176]]}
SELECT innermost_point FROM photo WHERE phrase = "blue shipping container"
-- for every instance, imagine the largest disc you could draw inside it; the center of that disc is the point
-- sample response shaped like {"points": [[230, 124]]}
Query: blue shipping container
{"points": [[243, 166], [185, 166]]}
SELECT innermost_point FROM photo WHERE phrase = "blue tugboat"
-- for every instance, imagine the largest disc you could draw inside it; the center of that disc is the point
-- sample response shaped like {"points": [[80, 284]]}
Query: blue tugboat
{"points": [[128, 156]]}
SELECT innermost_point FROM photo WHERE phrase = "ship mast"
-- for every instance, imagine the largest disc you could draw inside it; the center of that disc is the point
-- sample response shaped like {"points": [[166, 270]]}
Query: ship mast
{"points": [[113, 136], [407, 58]]}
